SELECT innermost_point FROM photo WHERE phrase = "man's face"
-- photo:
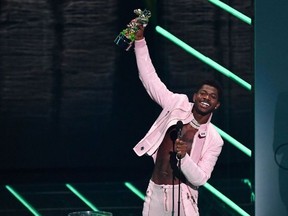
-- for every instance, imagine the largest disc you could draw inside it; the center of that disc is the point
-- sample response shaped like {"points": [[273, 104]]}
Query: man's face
{"points": [[206, 100]]}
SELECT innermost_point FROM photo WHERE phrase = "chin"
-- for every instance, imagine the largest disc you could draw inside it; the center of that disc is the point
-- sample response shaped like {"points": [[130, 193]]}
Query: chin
{"points": [[205, 112]]}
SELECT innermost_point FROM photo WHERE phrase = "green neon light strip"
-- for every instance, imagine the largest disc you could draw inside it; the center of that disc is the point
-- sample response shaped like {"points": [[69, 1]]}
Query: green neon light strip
{"points": [[248, 182], [234, 142], [203, 58], [80, 196], [232, 11], [22, 200], [135, 190], [225, 199]]}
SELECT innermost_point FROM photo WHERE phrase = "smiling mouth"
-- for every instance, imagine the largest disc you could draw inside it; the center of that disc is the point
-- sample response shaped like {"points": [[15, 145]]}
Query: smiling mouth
{"points": [[205, 104]]}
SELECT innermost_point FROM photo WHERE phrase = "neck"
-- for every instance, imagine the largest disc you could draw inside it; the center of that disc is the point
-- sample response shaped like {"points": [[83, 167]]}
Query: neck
{"points": [[201, 119], [195, 124]]}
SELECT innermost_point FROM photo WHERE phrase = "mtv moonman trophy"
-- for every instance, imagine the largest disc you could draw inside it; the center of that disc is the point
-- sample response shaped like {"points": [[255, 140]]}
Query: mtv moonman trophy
{"points": [[126, 38]]}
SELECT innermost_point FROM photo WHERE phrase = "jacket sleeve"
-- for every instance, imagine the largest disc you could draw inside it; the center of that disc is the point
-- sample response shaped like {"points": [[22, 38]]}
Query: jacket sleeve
{"points": [[199, 173], [148, 76]]}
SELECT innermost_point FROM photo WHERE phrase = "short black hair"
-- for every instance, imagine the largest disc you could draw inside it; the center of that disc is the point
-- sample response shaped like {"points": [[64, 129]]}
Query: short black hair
{"points": [[213, 83]]}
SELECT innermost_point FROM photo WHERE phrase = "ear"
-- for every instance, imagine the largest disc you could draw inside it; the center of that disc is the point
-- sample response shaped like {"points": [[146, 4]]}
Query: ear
{"points": [[218, 105]]}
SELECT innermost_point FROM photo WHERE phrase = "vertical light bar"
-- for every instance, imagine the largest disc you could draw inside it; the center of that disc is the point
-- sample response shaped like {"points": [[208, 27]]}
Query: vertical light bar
{"points": [[135, 190], [22, 200], [80, 196], [203, 58], [225, 199], [232, 11], [234, 142]]}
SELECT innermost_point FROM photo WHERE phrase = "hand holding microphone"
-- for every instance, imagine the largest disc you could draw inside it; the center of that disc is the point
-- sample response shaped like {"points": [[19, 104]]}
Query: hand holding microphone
{"points": [[181, 148]]}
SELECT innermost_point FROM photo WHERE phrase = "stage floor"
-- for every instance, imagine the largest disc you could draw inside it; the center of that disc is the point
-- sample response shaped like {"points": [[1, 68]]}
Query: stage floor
{"points": [[61, 198]]}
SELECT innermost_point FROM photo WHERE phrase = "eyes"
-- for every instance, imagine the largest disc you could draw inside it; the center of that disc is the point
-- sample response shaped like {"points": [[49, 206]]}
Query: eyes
{"points": [[205, 94]]}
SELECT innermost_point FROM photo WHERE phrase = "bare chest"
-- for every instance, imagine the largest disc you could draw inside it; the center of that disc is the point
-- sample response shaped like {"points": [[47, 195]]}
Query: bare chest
{"points": [[166, 164]]}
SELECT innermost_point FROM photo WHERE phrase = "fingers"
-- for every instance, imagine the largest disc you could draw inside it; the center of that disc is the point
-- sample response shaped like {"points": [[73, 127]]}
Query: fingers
{"points": [[180, 148], [140, 33]]}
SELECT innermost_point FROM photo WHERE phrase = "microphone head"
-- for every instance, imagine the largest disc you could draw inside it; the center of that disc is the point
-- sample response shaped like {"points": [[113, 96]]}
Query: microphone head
{"points": [[179, 125]]}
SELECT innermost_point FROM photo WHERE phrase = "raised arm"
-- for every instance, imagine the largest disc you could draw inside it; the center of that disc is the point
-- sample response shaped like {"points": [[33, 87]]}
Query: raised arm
{"points": [[147, 73]]}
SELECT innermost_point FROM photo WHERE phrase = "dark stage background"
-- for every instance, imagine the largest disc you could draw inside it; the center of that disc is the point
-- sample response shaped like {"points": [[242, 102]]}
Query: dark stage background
{"points": [[71, 104]]}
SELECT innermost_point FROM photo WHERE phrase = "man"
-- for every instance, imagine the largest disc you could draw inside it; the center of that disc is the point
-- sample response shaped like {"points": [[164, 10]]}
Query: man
{"points": [[182, 142]]}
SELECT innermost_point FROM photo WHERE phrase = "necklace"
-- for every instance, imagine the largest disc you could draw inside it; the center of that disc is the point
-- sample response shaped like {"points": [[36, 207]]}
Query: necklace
{"points": [[194, 124]]}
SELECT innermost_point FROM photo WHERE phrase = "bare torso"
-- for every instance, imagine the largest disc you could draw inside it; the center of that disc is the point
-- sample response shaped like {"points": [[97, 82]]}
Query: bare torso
{"points": [[166, 170]]}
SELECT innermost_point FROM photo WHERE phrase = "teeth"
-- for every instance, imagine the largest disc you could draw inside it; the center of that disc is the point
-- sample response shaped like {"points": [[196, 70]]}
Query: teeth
{"points": [[205, 104]]}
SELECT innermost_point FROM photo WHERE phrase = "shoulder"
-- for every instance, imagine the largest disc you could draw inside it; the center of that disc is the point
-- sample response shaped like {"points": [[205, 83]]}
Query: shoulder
{"points": [[180, 100]]}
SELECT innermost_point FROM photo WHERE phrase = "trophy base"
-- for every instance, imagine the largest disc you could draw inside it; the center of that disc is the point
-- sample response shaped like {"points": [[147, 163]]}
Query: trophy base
{"points": [[123, 42]]}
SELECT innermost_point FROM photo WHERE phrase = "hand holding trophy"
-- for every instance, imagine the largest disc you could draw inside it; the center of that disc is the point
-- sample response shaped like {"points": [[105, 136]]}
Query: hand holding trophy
{"points": [[126, 38]]}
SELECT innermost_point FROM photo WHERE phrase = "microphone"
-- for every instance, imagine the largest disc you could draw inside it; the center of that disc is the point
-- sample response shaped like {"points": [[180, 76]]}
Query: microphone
{"points": [[179, 127]]}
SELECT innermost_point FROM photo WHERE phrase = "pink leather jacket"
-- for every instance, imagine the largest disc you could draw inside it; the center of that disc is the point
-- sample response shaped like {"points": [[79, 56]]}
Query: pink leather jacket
{"points": [[207, 143]]}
